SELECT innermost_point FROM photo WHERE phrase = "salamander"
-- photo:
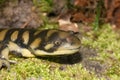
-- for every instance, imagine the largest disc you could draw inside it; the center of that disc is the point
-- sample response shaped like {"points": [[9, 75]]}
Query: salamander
{"points": [[33, 42]]}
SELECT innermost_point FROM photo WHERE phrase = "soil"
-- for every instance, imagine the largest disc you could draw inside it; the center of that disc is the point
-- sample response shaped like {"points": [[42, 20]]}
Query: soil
{"points": [[18, 13]]}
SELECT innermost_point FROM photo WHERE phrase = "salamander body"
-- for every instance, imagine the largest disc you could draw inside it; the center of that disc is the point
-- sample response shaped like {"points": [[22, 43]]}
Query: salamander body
{"points": [[33, 42]]}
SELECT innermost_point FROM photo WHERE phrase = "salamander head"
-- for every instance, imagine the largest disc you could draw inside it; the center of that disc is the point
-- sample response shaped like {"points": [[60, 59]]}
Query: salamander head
{"points": [[60, 43]]}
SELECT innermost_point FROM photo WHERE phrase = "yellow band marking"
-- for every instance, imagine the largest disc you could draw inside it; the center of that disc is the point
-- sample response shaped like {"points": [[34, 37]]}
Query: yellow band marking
{"points": [[26, 53], [4, 53], [2, 34], [48, 46], [35, 43], [25, 37], [63, 35], [14, 35], [37, 32], [14, 47], [50, 33]]}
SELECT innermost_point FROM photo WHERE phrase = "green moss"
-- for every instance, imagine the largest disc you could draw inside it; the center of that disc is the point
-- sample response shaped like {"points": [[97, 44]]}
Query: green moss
{"points": [[43, 5], [34, 68], [106, 41], [49, 26]]}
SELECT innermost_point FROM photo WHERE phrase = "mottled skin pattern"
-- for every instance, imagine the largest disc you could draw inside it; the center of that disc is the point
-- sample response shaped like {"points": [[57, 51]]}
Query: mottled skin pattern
{"points": [[32, 42]]}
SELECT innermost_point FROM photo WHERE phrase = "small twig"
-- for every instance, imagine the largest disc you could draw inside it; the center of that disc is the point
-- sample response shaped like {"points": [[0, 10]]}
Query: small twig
{"points": [[26, 23]]}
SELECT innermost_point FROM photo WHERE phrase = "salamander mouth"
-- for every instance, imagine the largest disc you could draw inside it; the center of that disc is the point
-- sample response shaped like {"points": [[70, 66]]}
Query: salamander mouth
{"points": [[57, 52], [67, 51], [72, 49], [75, 49]]}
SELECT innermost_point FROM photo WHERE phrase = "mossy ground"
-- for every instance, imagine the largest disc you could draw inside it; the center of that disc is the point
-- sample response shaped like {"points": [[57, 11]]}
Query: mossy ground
{"points": [[36, 69], [106, 41]]}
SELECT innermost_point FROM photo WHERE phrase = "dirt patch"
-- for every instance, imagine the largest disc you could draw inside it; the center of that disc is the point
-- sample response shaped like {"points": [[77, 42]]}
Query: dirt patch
{"points": [[17, 13]]}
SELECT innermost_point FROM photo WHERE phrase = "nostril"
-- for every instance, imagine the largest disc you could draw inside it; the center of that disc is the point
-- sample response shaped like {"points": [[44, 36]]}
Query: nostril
{"points": [[72, 43]]}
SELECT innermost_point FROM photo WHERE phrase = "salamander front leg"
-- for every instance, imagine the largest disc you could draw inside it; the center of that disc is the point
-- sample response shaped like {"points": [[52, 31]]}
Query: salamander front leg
{"points": [[4, 61]]}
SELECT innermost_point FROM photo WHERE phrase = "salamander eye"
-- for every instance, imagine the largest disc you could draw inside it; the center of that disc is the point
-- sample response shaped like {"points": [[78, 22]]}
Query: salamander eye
{"points": [[57, 42]]}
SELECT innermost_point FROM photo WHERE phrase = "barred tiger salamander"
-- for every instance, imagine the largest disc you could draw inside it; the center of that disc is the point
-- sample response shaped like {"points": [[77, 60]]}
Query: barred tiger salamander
{"points": [[32, 42]]}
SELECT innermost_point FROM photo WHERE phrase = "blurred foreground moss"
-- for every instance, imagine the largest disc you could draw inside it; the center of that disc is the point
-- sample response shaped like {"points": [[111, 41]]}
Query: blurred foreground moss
{"points": [[36, 69]]}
